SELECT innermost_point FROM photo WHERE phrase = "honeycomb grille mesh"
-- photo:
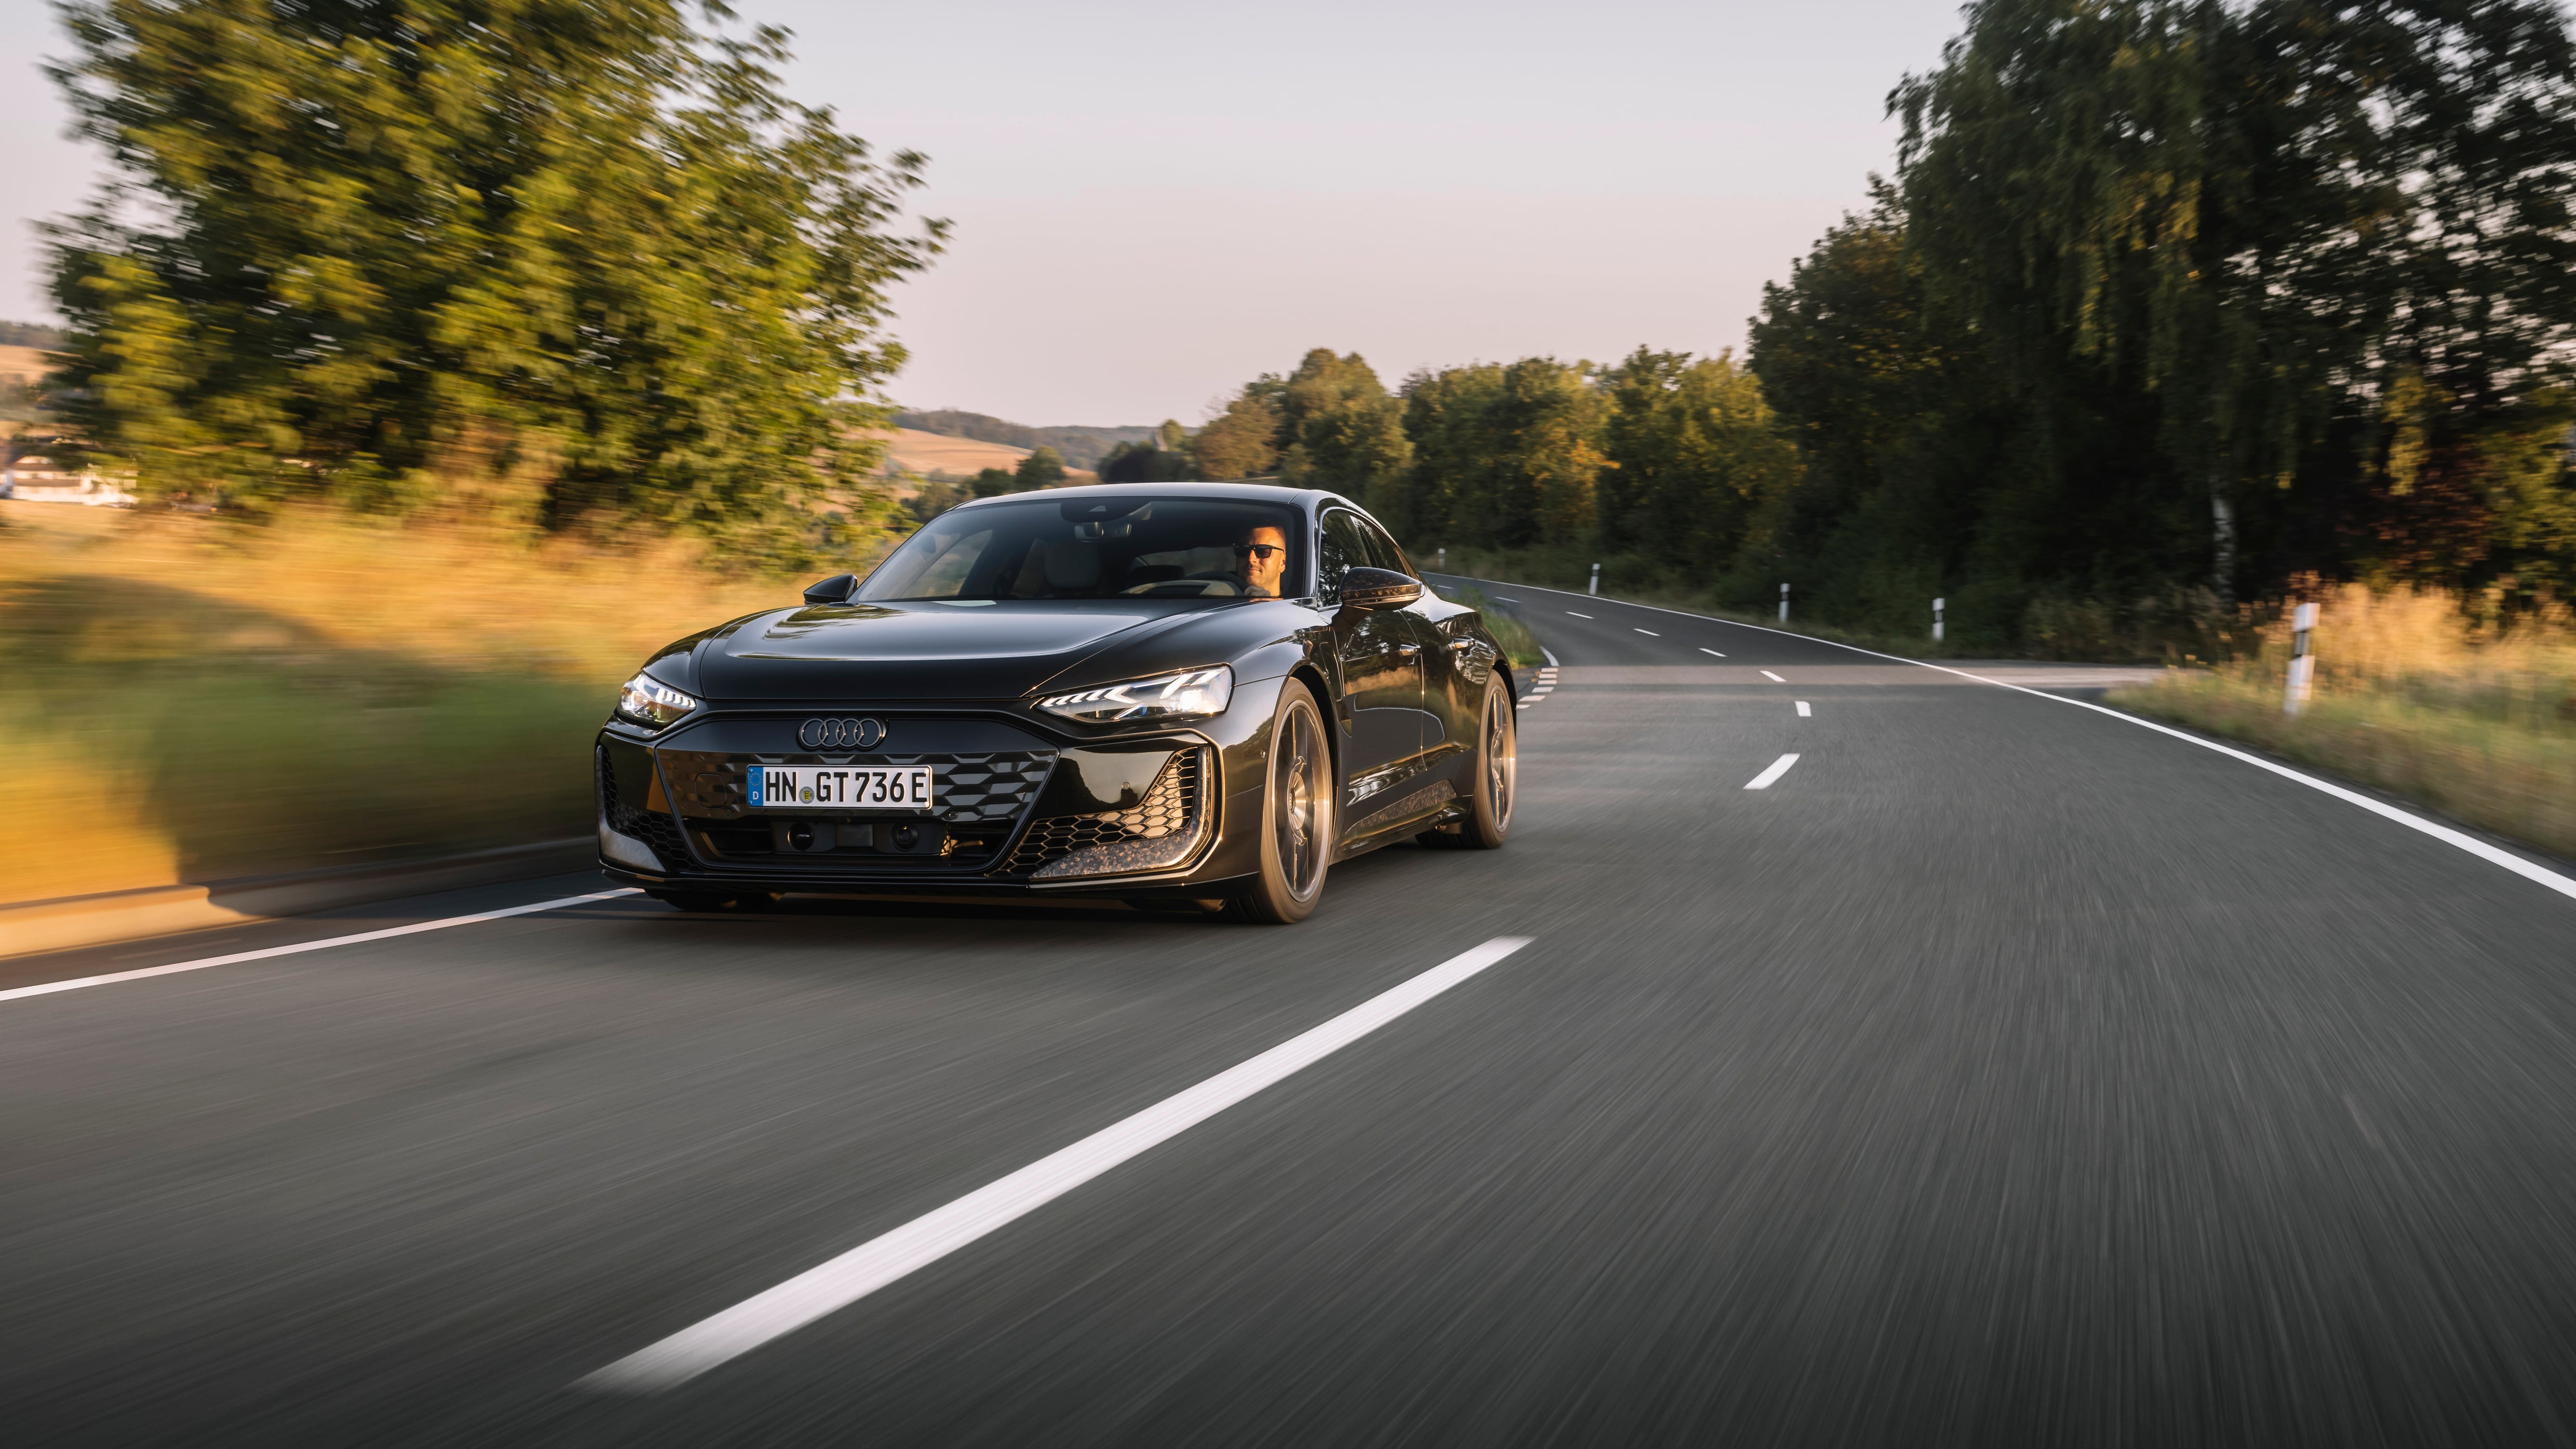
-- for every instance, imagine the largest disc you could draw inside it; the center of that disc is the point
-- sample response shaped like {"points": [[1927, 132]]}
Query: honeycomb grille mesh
{"points": [[1170, 807], [654, 828]]}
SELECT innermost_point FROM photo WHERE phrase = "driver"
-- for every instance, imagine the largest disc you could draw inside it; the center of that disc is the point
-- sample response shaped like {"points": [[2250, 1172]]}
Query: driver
{"points": [[1264, 556]]}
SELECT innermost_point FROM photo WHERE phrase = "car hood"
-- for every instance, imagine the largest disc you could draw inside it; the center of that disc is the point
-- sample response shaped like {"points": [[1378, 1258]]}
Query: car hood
{"points": [[916, 650]]}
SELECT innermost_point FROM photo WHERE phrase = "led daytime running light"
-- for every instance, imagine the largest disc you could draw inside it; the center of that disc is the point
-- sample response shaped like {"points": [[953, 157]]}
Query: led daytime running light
{"points": [[1165, 696], [648, 701]]}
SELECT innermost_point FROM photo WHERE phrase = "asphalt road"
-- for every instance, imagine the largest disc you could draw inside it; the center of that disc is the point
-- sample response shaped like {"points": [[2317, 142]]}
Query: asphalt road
{"points": [[2002, 1073]]}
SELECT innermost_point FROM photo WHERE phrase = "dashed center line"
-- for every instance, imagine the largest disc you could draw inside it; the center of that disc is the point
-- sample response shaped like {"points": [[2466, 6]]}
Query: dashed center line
{"points": [[1804, 712], [1579, 616], [1704, 649], [1649, 633], [934, 1235], [1775, 679], [1771, 773]]}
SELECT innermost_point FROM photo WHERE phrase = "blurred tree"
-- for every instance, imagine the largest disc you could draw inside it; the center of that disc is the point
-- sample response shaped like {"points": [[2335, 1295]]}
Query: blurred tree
{"points": [[992, 482], [1242, 440], [1041, 469], [1164, 460], [576, 246]]}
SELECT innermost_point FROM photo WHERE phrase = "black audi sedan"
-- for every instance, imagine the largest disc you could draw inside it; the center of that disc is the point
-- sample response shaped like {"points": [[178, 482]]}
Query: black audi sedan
{"points": [[1184, 692]]}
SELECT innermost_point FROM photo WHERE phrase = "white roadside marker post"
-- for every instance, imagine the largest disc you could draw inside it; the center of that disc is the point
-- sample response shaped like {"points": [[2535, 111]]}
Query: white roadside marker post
{"points": [[1936, 620], [1443, 565], [2303, 661], [1595, 590], [1784, 603]]}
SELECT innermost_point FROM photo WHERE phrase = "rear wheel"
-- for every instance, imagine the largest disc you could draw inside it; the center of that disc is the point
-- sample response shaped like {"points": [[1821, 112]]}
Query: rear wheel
{"points": [[1495, 779], [1296, 815]]}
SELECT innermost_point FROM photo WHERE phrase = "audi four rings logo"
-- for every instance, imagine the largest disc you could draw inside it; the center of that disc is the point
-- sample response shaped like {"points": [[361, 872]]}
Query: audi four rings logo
{"points": [[840, 734]]}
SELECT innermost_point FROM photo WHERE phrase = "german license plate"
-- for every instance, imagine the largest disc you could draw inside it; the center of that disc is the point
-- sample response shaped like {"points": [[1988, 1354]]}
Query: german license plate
{"points": [[840, 787]]}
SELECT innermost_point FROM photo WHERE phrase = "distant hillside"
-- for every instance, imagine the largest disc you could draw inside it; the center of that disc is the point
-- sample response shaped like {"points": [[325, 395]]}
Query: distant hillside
{"points": [[31, 334], [946, 455], [1081, 447]]}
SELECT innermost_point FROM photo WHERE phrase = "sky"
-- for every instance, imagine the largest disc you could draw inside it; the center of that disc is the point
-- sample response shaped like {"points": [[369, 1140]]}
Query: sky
{"points": [[1154, 202]]}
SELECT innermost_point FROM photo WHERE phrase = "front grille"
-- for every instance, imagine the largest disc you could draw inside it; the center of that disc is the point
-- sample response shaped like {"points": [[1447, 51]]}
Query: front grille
{"points": [[654, 828], [1156, 832], [994, 786]]}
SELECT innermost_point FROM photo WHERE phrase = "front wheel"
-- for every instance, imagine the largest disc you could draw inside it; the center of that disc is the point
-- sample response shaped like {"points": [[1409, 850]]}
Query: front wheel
{"points": [[1496, 778], [1296, 815]]}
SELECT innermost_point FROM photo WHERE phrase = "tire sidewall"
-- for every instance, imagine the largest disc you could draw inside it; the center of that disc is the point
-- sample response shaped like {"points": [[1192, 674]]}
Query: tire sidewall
{"points": [[1269, 899]]}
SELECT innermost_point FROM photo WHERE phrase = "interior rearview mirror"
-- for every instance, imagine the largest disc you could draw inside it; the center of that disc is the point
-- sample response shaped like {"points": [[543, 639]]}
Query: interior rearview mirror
{"points": [[834, 590], [1365, 588]]}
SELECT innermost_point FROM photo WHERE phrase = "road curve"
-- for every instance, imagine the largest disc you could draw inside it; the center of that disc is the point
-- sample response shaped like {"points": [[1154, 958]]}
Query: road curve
{"points": [[1998, 1072]]}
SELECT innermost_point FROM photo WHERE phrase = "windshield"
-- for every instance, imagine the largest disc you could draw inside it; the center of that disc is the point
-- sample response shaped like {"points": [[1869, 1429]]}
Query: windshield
{"points": [[1099, 548]]}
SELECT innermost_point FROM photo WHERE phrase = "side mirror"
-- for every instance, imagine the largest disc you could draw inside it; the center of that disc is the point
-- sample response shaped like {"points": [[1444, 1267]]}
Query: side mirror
{"points": [[1365, 588], [834, 590]]}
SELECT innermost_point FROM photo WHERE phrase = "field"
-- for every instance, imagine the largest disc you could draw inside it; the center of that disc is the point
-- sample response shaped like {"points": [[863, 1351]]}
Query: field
{"points": [[934, 453], [193, 700]]}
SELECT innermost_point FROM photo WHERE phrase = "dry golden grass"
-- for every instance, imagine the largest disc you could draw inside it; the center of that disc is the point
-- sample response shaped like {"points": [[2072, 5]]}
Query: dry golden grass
{"points": [[2411, 695], [194, 699]]}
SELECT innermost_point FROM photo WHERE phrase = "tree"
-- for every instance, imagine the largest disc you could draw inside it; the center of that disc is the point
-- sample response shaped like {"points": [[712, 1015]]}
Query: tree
{"points": [[1041, 469], [1503, 456], [572, 246], [1166, 459], [1241, 439], [992, 483], [1340, 429], [1693, 456]]}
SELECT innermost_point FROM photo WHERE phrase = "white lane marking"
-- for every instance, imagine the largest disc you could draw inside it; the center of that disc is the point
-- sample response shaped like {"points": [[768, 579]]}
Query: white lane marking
{"points": [[1775, 679], [1649, 633], [1499, 599], [1548, 655], [2539, 875], [1579, 616], [1542, 689], [1771, 773], [1804, 712], [236, 958], [1704, 649], [936, 1234]]}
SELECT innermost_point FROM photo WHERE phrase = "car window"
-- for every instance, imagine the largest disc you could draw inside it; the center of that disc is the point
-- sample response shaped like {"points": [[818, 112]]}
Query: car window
{"points": [[1346, 545], [1094, 547], [1383, 552]]}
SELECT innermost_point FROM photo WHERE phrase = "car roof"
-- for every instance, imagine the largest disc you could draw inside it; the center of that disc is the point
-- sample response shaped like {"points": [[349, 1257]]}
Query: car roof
{"points": [[1264, 492]]}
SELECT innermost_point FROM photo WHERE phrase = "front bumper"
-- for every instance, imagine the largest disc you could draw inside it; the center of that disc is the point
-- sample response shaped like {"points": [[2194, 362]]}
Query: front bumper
{"points": [[1022, 809]]}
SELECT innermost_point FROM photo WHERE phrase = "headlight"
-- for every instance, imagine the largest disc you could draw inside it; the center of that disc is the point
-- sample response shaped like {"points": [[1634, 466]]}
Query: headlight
{"points": [[649, 702], [1165, 696]]}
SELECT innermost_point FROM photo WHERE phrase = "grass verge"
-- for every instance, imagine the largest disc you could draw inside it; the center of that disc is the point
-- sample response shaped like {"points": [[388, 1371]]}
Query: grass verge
{"points": [[1518, 644], [2475, 721], [192, 699]]}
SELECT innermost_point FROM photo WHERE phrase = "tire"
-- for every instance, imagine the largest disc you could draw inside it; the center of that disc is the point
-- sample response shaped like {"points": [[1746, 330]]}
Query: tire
{"points": [[1297, 815], [1496, 777]]}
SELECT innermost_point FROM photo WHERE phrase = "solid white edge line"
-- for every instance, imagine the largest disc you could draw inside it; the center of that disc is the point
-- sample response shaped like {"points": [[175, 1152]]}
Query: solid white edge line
{"points": [[1804, 712], [1775, 679], [1771, 773], [881, 1260], [1548, 655], [2540, 875], [78, 982]]}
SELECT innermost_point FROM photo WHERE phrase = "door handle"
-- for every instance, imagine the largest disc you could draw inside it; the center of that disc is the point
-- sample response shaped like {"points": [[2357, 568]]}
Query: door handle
{"points": [[1462, 643], [1408, 650]]}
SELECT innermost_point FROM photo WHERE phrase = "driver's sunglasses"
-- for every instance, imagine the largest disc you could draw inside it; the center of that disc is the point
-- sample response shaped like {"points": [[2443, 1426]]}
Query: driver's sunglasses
{"points": [[1261, 551]]}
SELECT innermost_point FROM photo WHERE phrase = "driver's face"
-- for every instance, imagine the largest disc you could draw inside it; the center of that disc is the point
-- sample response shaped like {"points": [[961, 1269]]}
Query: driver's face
{"points": [[1268, 560]]}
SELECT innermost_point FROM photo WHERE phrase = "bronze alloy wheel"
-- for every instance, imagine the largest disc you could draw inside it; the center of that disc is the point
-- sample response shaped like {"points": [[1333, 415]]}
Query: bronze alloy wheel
{"points": [[1493, 784], [1297, 815]]}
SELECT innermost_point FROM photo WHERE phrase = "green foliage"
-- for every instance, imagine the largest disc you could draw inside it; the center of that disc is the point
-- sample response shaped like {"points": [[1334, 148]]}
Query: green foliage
{"points": [[575, 254], [1504, 455], [1339, 429], [1242, 440], [1165, 458], [2292, 274], [992, 482], [1041, 469]]}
